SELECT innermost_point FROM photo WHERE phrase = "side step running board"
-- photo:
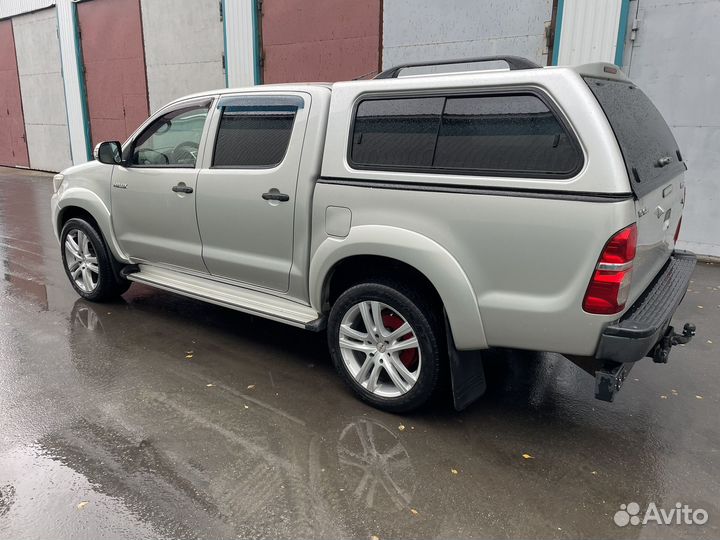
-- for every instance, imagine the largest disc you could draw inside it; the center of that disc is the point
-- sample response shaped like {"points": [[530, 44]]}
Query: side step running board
{"points": [[222, 294]]}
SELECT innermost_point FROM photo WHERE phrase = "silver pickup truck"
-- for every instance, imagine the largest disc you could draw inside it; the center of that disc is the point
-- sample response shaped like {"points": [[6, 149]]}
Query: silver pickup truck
{"points": [[420, 219]]}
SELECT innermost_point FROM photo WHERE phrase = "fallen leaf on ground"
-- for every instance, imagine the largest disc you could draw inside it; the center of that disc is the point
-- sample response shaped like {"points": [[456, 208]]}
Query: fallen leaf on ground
{"points": [[674, 392], [247, 407], [700, 307], [454, 471], [710, 342], [82, 505], [401, 427], [189, 352], [594, 472], [698, 397], [188, 356], [528, 456], [374, 537], [413, 512], [663, 397], [209, 385], [251, 386]]}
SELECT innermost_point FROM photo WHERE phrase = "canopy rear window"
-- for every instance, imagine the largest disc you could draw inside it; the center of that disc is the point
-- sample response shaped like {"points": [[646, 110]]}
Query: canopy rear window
{"points": [[648, 147]]}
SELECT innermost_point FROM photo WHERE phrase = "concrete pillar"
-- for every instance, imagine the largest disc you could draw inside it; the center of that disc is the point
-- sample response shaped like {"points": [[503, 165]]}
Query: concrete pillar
{"points": [[73, 82]]}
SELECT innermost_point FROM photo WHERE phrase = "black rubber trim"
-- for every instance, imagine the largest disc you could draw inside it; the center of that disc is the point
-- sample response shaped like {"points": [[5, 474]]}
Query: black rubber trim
{"points": [[317, 325], [644, 324], [129, 269], [586, 196]]}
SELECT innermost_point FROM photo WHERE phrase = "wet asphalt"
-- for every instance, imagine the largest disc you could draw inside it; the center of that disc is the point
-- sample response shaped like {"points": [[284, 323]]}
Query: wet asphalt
{"points": [[160, 416]]}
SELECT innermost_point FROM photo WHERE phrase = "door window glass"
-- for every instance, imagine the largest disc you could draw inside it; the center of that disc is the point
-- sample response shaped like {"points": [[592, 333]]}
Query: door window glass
{"points": [[171, 140], [254, 133]]}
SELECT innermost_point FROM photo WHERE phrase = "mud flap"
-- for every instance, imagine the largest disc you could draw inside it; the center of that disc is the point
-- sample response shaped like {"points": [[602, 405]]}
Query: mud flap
{"points": [[467, 373]]}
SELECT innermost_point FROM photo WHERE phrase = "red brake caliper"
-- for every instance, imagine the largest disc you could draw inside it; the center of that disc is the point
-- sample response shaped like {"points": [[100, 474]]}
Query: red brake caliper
{"points": [[408, 357]]}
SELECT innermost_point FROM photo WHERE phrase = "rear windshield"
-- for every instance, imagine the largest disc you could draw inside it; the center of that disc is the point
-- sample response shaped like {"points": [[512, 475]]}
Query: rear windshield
{"points": [[644, 137]]}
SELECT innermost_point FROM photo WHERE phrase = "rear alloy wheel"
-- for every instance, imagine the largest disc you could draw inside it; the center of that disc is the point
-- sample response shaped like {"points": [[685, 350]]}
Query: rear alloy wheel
{"points": [[87, 262], [384, 344]]}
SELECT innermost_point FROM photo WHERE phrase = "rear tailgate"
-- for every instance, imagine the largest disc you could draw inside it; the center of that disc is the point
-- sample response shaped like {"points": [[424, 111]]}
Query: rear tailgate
{"points": [[655, 169]]}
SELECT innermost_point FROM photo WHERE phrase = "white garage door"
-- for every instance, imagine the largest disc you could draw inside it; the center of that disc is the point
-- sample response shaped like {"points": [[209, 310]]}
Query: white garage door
{"points": [[419, 30], [183, 48], [43, 93]]}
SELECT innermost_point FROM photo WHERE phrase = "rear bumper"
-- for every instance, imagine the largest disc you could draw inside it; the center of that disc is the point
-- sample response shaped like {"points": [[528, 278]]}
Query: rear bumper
{"points": [[644, 325], [645, 328]]}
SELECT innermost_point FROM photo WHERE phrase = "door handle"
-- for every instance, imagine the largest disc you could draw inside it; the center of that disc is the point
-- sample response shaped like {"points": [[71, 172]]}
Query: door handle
{"points": [[182, 188], [275, 195], [663, 161]]}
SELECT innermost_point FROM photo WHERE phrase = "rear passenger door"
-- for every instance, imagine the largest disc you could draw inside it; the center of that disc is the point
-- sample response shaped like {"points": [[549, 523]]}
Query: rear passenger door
{"points": [[246, 189]]}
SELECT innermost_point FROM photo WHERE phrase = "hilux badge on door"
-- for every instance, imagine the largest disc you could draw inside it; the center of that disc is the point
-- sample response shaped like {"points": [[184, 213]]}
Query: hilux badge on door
{"points": [[642, 212], [119, 185]]}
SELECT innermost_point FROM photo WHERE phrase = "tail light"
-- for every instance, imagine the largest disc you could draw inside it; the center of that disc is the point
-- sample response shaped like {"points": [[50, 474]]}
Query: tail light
{"points": [[677, 231], [610, 285]]}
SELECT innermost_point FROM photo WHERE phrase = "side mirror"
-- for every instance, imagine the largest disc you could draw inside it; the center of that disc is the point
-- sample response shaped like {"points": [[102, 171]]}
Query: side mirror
{"points": [[108, 152]]}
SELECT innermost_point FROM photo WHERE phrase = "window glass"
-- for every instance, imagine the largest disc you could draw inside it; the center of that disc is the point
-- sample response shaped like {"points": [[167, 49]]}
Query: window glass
{"points": [[492, 134], [172, 140], [253, 135], [642, 133], [398, 132], [503, 133]]}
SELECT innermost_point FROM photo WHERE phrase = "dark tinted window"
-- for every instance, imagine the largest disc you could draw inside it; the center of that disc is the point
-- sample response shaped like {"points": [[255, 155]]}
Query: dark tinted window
{"points": [[642, 133], [493, 134], [503, 133], [253, 135], [400, 132]]}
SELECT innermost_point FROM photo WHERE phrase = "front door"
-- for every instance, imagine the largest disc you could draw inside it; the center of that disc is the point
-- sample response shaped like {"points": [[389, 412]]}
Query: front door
{"points": [[246, 190], [153, 193]]}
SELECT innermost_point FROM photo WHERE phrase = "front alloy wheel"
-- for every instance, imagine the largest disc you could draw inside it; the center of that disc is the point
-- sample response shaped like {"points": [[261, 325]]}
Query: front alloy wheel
{"points": [[81, 260], [88, 263]]}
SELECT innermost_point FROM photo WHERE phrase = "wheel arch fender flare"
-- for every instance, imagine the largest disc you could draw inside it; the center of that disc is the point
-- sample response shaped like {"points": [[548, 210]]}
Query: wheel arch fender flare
{"points": [[91, 203], [422, 253]]}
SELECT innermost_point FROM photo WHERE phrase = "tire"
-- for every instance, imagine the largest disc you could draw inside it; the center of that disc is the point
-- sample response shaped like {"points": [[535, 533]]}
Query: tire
{"points": [[88, 263], [394, 305]]}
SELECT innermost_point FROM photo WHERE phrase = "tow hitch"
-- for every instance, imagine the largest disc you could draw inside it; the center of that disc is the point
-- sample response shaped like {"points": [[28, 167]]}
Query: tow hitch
{"points": [[661, 351], [610, 378]]}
